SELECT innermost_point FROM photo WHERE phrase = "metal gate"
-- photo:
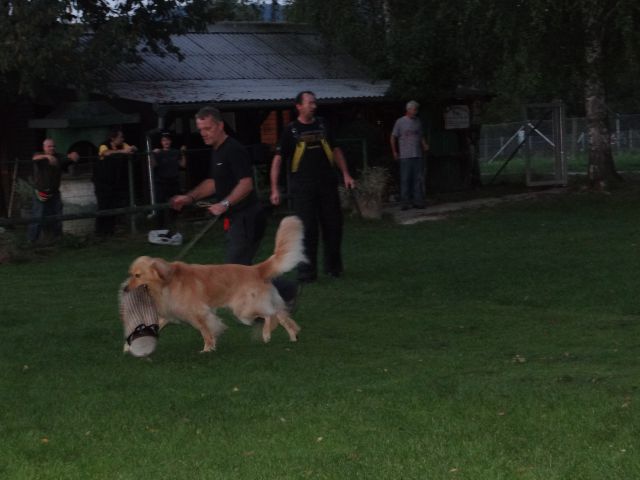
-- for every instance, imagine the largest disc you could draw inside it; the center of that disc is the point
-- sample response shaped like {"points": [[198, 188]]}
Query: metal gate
{"points": [[540, 139], [545, 128]]}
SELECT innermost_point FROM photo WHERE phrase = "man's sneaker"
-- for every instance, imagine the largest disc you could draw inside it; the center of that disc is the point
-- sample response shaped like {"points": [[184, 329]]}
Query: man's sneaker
{"points": [[154, 236], [164, 237], [176, 239]]}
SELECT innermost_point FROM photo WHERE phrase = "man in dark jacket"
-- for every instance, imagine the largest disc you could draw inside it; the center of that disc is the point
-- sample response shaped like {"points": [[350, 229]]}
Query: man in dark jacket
{"points": [[48, 166]]}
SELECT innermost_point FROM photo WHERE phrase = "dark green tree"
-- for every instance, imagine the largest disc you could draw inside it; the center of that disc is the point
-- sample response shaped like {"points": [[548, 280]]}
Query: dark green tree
{"points": [[576, 50], [581, 51], [357, 26], [47, 45]]}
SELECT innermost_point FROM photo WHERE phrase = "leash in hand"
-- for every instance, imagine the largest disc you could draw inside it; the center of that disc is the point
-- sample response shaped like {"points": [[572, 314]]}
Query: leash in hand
{"points": [[201, 233], [354, 199]]}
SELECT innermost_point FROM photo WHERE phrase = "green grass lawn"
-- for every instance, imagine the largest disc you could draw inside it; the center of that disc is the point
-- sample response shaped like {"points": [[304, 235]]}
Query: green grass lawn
{"points": [[497, 344]]}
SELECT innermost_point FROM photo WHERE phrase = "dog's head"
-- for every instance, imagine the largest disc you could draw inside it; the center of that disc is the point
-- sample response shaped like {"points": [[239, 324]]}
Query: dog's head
{"points": [[148, 271]]}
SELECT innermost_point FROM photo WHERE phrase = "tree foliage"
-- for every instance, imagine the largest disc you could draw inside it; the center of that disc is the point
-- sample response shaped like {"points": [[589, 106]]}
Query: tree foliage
{"points": [[581, 51], [359, 26], [524, 50], [53, 44]]}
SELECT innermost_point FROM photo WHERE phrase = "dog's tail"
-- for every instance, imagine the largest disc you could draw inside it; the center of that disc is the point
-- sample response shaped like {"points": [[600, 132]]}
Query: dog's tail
{"points": [[289, 251]]}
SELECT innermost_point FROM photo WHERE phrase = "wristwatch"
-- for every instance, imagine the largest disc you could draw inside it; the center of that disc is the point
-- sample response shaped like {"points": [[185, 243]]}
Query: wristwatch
{"points": [[226, 203]]}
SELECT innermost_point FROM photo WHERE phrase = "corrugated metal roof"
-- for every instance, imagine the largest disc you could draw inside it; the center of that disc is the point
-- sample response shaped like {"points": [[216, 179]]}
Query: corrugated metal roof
{"points": [[218, 91], [235, 62]]}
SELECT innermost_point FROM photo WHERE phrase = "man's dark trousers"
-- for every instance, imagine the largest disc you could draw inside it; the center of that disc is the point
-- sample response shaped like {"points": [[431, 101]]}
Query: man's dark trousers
{"points": [[318, 206]]}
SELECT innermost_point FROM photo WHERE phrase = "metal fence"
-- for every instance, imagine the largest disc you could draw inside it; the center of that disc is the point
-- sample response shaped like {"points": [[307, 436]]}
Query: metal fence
{"points": [[78, 196], [625, 137], [80, 208]]}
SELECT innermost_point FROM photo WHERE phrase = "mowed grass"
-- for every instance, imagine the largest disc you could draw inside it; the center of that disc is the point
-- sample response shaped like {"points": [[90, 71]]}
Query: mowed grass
{"points": [[496, 344]]}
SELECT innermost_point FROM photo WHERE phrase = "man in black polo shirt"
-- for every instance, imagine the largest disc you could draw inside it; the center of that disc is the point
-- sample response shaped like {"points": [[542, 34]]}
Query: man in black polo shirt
{"points": [[231, 180]]}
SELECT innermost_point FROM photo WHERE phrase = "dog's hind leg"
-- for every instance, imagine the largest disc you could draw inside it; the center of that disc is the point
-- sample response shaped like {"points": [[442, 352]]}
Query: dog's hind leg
{"points": [[288, 324]]}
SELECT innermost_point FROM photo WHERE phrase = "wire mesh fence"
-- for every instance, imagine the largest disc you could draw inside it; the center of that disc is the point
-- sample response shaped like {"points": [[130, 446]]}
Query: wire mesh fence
{"points": [[499, 141]]}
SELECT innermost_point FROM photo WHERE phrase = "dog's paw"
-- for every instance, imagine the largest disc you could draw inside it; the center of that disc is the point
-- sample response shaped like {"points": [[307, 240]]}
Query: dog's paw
{"points": [[126, 348], [294, 332], [266, 338]]}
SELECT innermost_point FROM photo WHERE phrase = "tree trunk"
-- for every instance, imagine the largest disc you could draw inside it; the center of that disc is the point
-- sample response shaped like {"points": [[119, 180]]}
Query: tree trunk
{"points": [[601, 167], [386, 19]]}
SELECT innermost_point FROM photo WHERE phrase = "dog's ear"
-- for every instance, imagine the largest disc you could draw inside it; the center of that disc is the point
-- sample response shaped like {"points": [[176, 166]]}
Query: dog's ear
{"points": [[162, 269]]}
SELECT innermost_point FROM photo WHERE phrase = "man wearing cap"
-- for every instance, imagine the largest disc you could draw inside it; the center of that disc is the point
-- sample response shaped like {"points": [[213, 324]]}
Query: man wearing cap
{"points": [[48, 166]]}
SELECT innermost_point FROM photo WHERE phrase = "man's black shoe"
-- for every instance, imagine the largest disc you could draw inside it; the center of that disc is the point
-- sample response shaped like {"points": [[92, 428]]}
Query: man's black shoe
{"points": [[292, 303], [307, 278]]}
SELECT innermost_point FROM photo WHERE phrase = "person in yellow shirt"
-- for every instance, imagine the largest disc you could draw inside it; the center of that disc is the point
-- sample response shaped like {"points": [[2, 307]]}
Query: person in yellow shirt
{"points": [[111, 178]]}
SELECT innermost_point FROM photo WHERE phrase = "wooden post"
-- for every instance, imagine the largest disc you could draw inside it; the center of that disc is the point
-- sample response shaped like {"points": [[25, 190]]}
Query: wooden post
{"points": [[574, 137], [132, 201], [12, 191]]}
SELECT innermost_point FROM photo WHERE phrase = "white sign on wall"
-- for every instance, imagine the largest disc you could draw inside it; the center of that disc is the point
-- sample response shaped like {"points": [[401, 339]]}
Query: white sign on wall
{"points": [[456, 117]]}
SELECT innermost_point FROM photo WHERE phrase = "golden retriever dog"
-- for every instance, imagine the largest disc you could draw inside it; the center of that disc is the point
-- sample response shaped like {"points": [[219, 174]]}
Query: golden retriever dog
{"points": [[192, 293]]}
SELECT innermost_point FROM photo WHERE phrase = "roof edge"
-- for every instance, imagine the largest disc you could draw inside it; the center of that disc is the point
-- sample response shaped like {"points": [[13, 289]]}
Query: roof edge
{"points": [[259, 27]]}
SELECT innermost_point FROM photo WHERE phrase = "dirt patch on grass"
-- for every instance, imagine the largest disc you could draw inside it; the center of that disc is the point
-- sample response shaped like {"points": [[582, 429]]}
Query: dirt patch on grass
{"points": [[441, 211]]}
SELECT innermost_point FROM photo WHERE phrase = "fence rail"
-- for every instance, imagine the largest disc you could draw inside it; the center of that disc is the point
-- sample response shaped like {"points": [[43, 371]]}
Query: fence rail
{"points": [[7, 222]]}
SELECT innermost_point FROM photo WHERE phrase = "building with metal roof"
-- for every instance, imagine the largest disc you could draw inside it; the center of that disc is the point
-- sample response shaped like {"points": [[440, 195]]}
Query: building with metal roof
{"points": [[251, 71], [246, 64]]}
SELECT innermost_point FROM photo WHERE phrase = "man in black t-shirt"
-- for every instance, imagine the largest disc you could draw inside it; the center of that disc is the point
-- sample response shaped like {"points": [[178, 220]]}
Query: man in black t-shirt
{"points": [[230, 178], [311, 160]]}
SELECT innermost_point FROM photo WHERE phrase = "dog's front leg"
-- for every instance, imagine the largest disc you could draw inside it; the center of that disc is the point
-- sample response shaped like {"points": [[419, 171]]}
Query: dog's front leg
{"points": [[208, 337]]}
